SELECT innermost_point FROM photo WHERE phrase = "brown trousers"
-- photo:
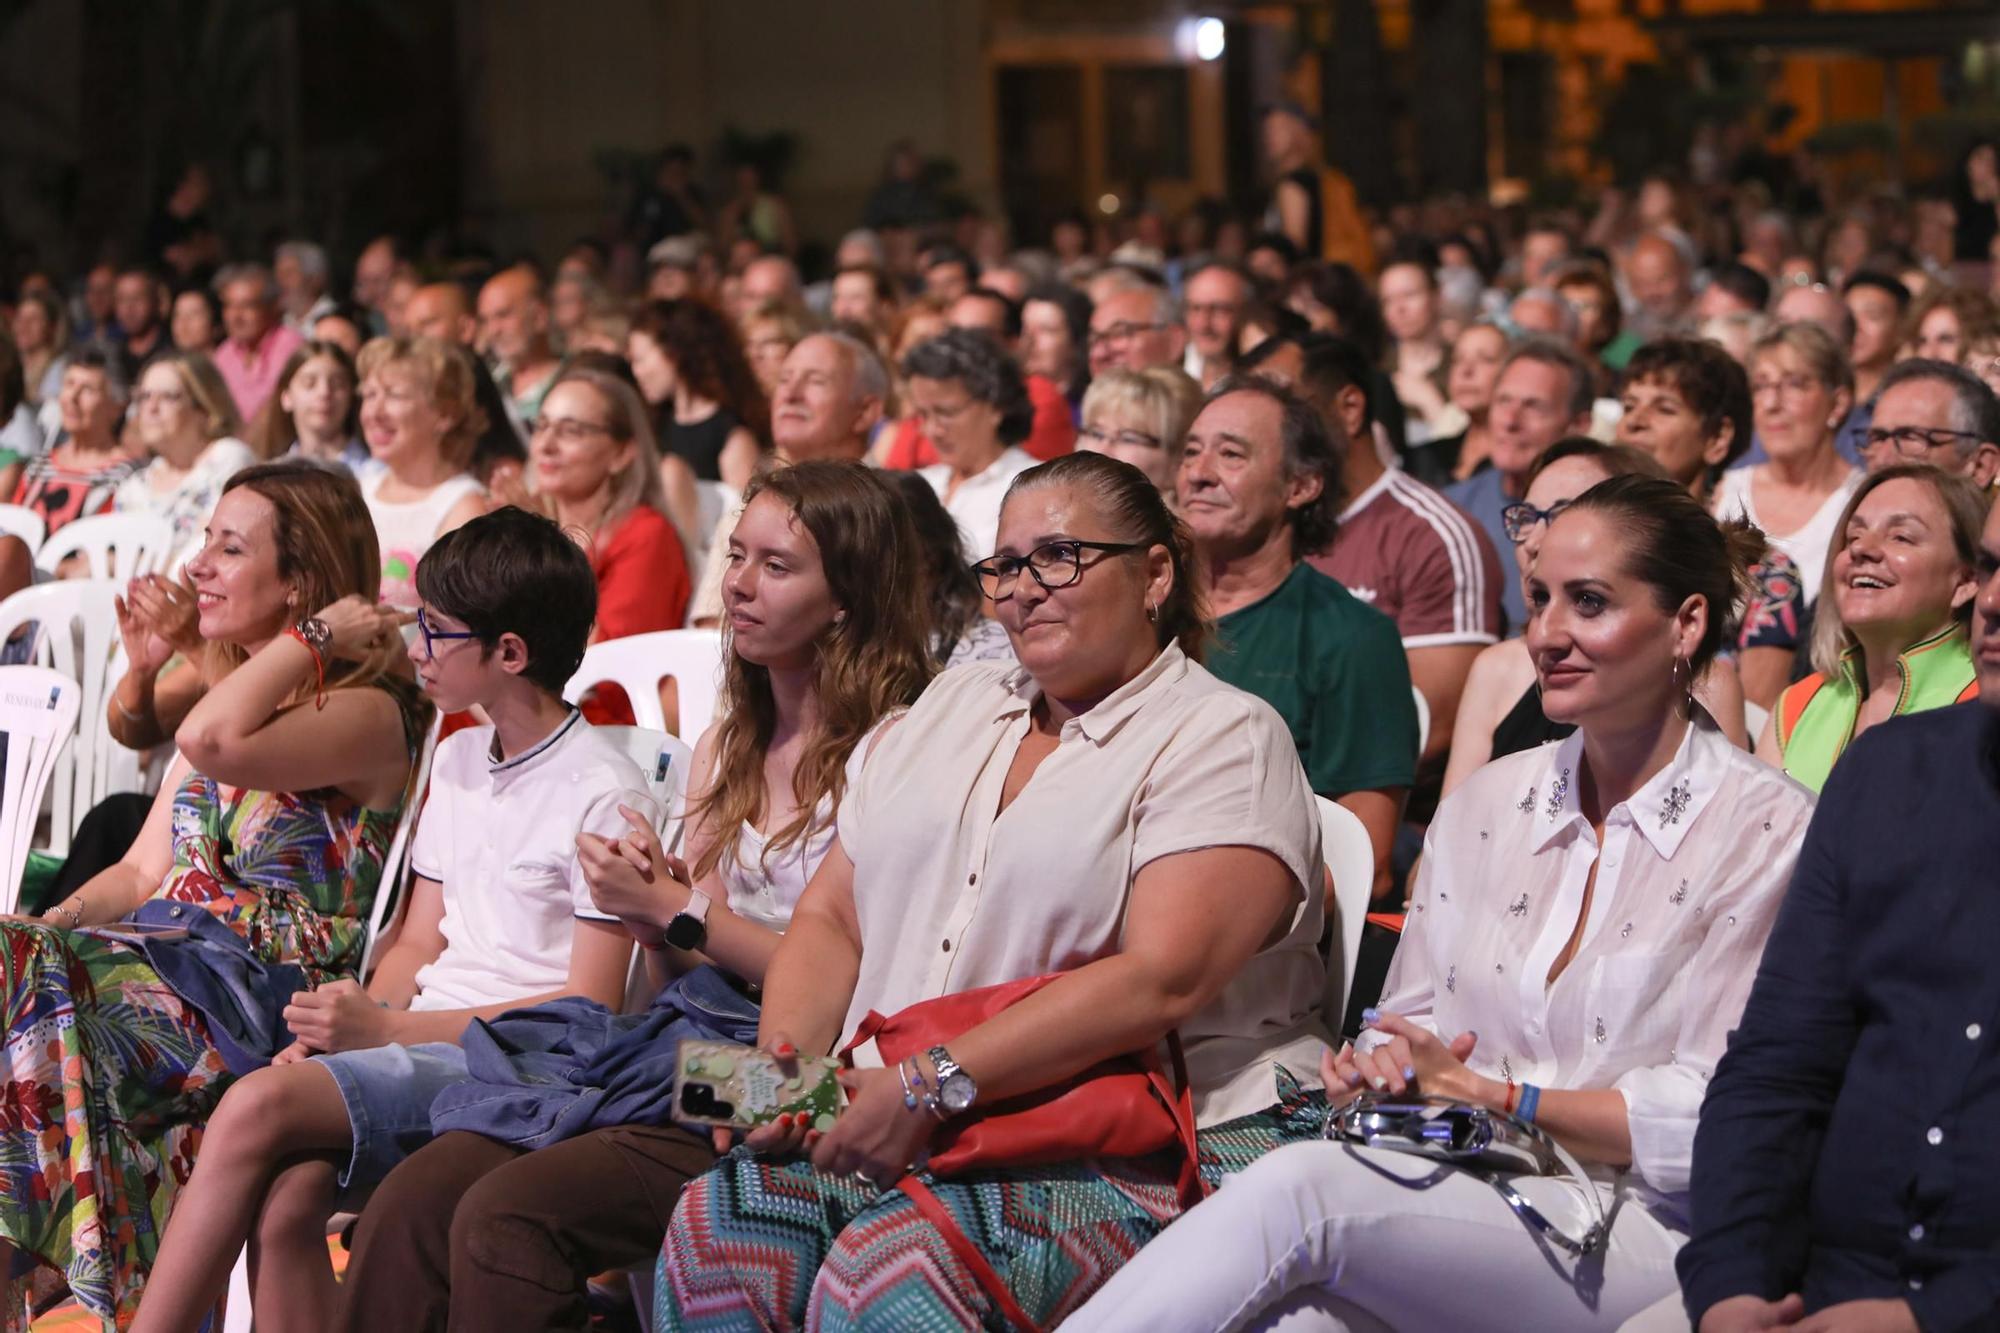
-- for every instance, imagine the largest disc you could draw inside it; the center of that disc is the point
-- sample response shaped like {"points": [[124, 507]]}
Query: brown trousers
{"points": [[472, 1234]]}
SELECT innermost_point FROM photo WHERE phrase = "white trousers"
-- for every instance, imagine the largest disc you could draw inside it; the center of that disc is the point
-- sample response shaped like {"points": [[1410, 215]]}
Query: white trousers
{"points": [[1335, 1236]]}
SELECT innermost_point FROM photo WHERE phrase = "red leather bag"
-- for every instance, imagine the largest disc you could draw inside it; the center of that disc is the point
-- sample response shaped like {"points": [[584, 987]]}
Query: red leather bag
{"points": [[1124, 1107]]}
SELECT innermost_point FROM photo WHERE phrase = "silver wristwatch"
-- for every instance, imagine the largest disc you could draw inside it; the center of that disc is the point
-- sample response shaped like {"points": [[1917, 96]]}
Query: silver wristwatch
{"points": [[956, 1092], [316, 632]]}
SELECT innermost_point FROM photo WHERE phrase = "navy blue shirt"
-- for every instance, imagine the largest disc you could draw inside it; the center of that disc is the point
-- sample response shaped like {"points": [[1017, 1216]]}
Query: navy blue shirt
{"points": [[1849, 1146]]}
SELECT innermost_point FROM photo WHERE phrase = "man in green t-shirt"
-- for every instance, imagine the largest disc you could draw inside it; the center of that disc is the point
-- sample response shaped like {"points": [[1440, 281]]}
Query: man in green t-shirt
{"points": [[1259, 486]]}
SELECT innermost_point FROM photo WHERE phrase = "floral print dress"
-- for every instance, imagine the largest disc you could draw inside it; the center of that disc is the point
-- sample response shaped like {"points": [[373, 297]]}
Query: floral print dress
{"points": [[109, 1074]]}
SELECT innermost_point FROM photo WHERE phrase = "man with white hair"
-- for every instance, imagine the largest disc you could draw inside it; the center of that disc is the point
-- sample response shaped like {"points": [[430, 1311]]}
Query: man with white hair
{"points": [[303, 276], [829, 396]]}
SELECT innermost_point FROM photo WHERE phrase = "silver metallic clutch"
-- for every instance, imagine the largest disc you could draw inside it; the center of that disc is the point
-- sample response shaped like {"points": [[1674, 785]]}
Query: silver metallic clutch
{"points": [[1489, 1144]]}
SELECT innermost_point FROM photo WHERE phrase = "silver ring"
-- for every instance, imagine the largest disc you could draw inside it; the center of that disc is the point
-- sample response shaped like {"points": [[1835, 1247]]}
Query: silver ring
{"points": [[869, 1181]]}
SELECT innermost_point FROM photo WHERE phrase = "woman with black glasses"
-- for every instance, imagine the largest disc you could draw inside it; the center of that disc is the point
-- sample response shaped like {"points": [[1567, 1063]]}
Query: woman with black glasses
{"points": [[1074, 816], [1501, 712]]}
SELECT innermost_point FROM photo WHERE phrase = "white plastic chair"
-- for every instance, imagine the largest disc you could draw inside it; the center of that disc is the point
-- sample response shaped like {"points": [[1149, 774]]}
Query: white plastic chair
{"points": [[389, 895], [76, 634], [666, 761], [23, 522], [692, 657], [38, 712], [117, 546], [1350, 859]]}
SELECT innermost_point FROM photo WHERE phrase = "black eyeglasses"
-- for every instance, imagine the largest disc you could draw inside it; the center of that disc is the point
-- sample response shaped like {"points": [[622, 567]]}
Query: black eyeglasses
{"points": [[432, 635], [1916, 441], [1520, 517], [1052, 564]]}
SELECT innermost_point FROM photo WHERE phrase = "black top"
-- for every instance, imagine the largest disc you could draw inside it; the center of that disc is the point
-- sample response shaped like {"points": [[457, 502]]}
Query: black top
{"points": [[1846, 1148], [1527, 726], [1307, 179], [700, 443]]}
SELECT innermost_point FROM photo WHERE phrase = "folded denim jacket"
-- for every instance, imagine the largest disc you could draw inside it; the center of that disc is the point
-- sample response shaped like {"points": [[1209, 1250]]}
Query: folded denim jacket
{"points": [[541, 1075]]}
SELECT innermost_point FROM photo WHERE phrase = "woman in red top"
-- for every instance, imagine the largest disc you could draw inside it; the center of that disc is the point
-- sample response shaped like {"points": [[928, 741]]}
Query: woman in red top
{"points": [[597, 472]]}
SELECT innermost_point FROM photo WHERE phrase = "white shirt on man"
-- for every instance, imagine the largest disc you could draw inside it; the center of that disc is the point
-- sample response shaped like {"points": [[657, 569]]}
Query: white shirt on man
{"points": [[949, 898], [975, 505], [1689, 878], [499, 836]]}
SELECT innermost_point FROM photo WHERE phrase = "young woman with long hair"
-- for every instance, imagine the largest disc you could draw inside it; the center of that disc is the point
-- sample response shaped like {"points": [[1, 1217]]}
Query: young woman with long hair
{"points": [[824, 643]]}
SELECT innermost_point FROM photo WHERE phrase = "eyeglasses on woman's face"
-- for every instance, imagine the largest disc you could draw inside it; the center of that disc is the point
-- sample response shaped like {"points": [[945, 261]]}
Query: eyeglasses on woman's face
{"points": [[1519, 518], [1054, 565]]}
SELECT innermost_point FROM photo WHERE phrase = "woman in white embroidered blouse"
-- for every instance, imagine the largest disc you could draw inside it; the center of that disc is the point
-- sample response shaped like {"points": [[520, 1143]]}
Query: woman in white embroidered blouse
{"points": [[1583, 935], [1110, 811]]}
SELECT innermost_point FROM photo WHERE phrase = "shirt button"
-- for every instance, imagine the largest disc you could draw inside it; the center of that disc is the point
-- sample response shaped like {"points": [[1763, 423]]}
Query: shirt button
{"points": [[1934, 1137], [1972, 1031], [1916, 1284], [947, 949], [973, 878], [1917, 1231], [1535, 1027]]}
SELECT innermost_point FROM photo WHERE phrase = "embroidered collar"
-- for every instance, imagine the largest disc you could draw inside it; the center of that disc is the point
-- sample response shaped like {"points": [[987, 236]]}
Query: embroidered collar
{"points": [[1111, 712], [1662, 810]]}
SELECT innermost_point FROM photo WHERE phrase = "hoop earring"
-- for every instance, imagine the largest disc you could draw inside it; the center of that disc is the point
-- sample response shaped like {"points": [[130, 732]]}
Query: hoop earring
{"points": [[1153, 612], [1674, 671]]}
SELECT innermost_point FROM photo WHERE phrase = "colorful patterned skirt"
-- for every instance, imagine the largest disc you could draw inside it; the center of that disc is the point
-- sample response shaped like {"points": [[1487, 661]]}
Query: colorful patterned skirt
{"points": [[761, 1244], [109, 1076]]}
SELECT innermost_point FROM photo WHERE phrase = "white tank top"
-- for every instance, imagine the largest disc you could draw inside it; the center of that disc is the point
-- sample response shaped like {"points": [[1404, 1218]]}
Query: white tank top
{"points": [[1808, 546], [405, 529], [767, 894]]}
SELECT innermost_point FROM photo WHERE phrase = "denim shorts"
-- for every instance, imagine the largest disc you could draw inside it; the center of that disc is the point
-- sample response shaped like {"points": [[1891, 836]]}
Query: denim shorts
{"points": [[388, 1091]]}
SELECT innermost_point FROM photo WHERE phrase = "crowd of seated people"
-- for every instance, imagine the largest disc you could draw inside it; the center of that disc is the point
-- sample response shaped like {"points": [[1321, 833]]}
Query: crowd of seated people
{"points": [[1080, 603]]}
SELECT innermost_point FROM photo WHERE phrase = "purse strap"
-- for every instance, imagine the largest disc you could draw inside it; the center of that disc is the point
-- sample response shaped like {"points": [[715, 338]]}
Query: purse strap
{"points": [[1180, 1102], [967, 1253]]}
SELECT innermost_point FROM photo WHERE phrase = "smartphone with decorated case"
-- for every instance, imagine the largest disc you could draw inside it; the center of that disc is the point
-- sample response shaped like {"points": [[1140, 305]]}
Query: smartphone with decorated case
{"points": [[741, 1087]]}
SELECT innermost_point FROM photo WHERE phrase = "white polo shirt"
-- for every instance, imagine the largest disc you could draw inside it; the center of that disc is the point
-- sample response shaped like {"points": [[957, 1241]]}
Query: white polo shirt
{"points": [[500, 837]]}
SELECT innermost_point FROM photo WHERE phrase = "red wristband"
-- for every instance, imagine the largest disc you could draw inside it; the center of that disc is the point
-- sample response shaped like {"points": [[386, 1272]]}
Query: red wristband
{"points": [[319, 666], [1512, 1088]]}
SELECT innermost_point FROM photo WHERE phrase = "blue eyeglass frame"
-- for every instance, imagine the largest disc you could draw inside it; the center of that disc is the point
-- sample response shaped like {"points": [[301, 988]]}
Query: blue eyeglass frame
{"points": [[432, 635]]}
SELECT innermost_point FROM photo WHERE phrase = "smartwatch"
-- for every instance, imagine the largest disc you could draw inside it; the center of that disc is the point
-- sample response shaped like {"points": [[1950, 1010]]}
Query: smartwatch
{"points": [[689, 928], [956, 1090]]}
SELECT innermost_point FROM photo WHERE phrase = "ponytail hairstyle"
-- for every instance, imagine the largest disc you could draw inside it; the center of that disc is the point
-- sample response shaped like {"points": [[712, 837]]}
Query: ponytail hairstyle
{"points": [[875, 659], [1135, 510], [1677, 548]]}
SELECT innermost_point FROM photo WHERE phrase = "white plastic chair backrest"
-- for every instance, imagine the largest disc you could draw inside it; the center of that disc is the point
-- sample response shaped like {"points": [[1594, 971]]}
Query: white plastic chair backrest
{"points": [[23, 522], [117, 546], [665, 761], [1423, 719], [77, 636], [38, 712], [114, 769], [389, 893], [1350, 858], [693, 657]]}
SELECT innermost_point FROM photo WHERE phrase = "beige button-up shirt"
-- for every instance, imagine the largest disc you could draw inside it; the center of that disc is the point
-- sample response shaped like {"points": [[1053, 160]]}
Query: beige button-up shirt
{"points": [[951, 899]]}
